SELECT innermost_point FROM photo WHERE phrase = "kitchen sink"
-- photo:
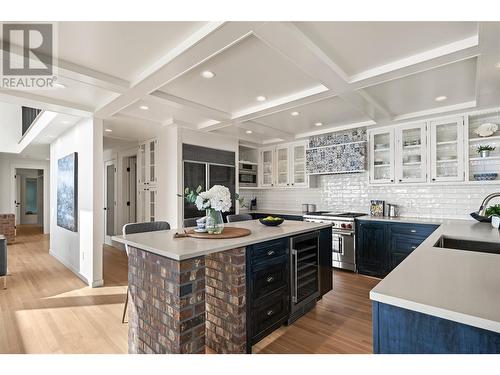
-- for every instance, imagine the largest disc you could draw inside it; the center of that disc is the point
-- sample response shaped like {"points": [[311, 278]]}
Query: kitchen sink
{"points": [[460, 244]]}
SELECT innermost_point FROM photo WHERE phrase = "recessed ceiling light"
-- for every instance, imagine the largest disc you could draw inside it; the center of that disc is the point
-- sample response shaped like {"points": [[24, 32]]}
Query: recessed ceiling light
{"points": [[295, 113], [144, 107], [260, 98], [248, 132], [318, 124], [108, 130], [440, 98], [207, 74], [59, 85]]}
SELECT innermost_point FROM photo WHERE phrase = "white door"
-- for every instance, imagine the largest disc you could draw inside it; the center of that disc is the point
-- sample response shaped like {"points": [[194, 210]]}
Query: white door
{"points": [[109, 200], [447, 151], [267, 167], [411, 153], [17, 200], [282, 166], [298, 174], [382, 156]]}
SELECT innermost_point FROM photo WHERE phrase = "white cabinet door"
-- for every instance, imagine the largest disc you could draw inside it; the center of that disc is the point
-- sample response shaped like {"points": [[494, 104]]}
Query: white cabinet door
{"points": [[411, 153], [146, 204], [147, 163], [141, 162], [152, 150], [382, 156], [298, 176], [267, 167], [282, 166], [446, 150]]}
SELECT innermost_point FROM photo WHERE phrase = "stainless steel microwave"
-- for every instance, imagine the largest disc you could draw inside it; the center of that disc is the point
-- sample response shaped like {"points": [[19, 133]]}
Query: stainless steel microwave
{"points": [[247, 175]]}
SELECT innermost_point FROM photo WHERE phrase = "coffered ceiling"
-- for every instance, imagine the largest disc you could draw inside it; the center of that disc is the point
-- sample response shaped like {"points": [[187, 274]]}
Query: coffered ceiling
{"points": [[244, 79]]}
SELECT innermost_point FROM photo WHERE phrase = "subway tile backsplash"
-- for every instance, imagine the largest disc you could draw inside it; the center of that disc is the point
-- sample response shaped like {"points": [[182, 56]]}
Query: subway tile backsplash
{"points": [[352, 192]]}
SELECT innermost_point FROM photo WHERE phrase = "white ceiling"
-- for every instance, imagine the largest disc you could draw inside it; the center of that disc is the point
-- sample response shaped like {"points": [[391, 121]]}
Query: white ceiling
{"points": [[56, 127], [243, 72], [343, 74]]}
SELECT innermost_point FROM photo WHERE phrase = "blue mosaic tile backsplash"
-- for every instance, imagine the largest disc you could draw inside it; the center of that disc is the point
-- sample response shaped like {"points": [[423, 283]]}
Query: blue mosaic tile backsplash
{"points": [[334, 155]]}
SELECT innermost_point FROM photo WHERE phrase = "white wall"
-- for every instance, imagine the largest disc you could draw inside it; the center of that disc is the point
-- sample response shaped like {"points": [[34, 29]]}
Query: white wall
{"points": [[353, 193], [81, 251], [10, 123], [8, 165]]}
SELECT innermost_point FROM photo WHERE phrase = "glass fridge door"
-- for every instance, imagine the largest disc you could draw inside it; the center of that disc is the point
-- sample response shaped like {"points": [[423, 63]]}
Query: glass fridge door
{"points": [[225, 176], [195, 174]]}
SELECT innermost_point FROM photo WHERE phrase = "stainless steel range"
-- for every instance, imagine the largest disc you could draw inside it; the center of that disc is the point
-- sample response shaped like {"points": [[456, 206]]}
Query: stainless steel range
{"points": [[343, 236]]}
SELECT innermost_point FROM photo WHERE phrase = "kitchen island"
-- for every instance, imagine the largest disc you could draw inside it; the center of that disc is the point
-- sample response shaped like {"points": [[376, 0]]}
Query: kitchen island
{"points": [[441, 300], [188, 293]]}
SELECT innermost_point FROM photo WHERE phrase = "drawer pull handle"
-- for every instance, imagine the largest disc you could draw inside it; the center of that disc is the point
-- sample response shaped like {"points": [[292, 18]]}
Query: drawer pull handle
{"points": [[270, 312], [270, 252], [413, 231], [270, 279]]}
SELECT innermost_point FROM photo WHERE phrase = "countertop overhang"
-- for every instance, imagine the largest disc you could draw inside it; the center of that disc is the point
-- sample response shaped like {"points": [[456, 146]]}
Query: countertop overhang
{"points": [[164, 244], [458, 285]]}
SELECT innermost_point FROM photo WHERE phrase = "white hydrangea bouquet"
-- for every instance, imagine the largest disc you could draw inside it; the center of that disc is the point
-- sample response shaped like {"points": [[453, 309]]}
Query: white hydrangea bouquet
{"points": [[214, 201]]}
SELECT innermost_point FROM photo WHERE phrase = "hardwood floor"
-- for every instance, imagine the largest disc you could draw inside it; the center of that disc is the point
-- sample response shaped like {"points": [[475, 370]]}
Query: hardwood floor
{"points": [[48, 309]]}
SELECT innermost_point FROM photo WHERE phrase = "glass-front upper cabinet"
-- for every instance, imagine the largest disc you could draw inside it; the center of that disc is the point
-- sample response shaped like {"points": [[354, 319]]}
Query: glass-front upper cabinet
{"points": [[282, 170], [142, 163], [411, 153], [382, 156], [267, 170], [447, 156], [146, 158], [298, 165]]}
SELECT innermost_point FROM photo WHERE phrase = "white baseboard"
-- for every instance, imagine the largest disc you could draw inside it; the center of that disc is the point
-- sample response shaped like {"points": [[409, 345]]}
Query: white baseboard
{"points": [[73, 269]]}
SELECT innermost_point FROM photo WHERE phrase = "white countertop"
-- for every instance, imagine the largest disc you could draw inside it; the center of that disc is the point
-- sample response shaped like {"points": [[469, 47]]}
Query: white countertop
{"points": [[164, 244], [399, 219], [458, 285]]}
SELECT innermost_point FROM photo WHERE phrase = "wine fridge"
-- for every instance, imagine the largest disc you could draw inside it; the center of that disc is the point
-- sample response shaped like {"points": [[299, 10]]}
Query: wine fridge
{"points": [[304, 275]]}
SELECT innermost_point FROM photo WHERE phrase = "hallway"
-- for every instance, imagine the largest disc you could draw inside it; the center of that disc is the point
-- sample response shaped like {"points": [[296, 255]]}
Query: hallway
{"points": [[47, 309]]}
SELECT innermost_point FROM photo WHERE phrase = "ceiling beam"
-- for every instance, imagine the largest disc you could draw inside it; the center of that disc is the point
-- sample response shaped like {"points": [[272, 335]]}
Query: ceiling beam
{"points": [[25, 98], [265, 130], [183, 104], [287, 39], [212, 39], [334, 128], [487, 73]]}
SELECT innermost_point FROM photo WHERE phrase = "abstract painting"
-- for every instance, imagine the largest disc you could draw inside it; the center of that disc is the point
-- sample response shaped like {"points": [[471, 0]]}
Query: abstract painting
{"points": [[67, 192]]}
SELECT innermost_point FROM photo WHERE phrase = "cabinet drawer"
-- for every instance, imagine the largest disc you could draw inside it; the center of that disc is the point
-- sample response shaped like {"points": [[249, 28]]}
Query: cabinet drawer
{"points": [[267, 312], [268, 251], [404, 244], [414, 230], [268, 279]]}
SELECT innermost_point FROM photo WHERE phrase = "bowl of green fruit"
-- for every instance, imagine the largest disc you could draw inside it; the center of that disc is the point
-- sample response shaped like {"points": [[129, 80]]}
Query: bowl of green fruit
{"points": [[271, 221]]}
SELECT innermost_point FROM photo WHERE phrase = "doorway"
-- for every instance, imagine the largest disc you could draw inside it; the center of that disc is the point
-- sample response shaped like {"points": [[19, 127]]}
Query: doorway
{"points": [[29, 196], [130, 189], [110, 200]]}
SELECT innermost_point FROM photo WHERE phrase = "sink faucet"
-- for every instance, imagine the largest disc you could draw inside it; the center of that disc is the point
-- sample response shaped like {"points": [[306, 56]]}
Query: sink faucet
{"points": [[482, 208]]}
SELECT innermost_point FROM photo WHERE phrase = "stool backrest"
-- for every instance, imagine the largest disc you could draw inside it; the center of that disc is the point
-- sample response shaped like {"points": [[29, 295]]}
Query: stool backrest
{"points": [[151, 226], [240, 217]]}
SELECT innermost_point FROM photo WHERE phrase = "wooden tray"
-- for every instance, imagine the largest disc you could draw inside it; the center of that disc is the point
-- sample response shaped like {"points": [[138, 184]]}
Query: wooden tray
{"points": [[229, 232]]}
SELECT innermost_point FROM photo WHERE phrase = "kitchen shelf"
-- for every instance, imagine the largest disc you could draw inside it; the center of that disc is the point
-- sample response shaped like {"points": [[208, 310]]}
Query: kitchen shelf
{"points": [[412, 147], [485, 139], [447, 161], [381, 165], [446, 143], [248, 162], [487, 158], [381, 149], [413, 163]]}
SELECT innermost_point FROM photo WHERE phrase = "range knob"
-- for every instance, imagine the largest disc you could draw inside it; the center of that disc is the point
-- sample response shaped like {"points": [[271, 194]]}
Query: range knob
{"points": [[342, 225], [349, 226]]}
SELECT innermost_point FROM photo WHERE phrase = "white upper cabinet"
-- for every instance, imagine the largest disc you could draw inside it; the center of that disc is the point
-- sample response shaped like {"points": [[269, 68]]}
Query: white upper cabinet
{"points": [[382, 156], [411, 153], [267, 167], [298, 174], [282, 166], [446, 150], [147, 162]]}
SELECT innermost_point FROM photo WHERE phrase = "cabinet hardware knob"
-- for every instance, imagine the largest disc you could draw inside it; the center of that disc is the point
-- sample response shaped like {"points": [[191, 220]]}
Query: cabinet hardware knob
{"points": [[270, 252], [413, 231], [400, 180], [392, 180], [270, 312], [433, 179], [270, 279]]}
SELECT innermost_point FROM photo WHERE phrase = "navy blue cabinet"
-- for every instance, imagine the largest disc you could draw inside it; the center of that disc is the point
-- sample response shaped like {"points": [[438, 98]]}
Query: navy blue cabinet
{"points": [[381, 246]]}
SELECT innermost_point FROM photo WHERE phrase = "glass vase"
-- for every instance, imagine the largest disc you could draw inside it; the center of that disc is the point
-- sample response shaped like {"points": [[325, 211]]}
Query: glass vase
{"points": [[214, 223]]}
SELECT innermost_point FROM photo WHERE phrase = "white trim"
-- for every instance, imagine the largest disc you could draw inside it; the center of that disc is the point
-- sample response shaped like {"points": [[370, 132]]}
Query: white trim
{"points": [[438, 110], [70, 266]]}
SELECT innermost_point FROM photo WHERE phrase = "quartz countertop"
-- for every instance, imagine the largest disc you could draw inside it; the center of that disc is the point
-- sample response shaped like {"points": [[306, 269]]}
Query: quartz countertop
{"points": [[164, 244], [458, 285]]}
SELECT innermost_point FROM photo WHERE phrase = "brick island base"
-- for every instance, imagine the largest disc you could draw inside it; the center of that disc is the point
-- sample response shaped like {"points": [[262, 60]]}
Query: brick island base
{"points": [[181, 306]]}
